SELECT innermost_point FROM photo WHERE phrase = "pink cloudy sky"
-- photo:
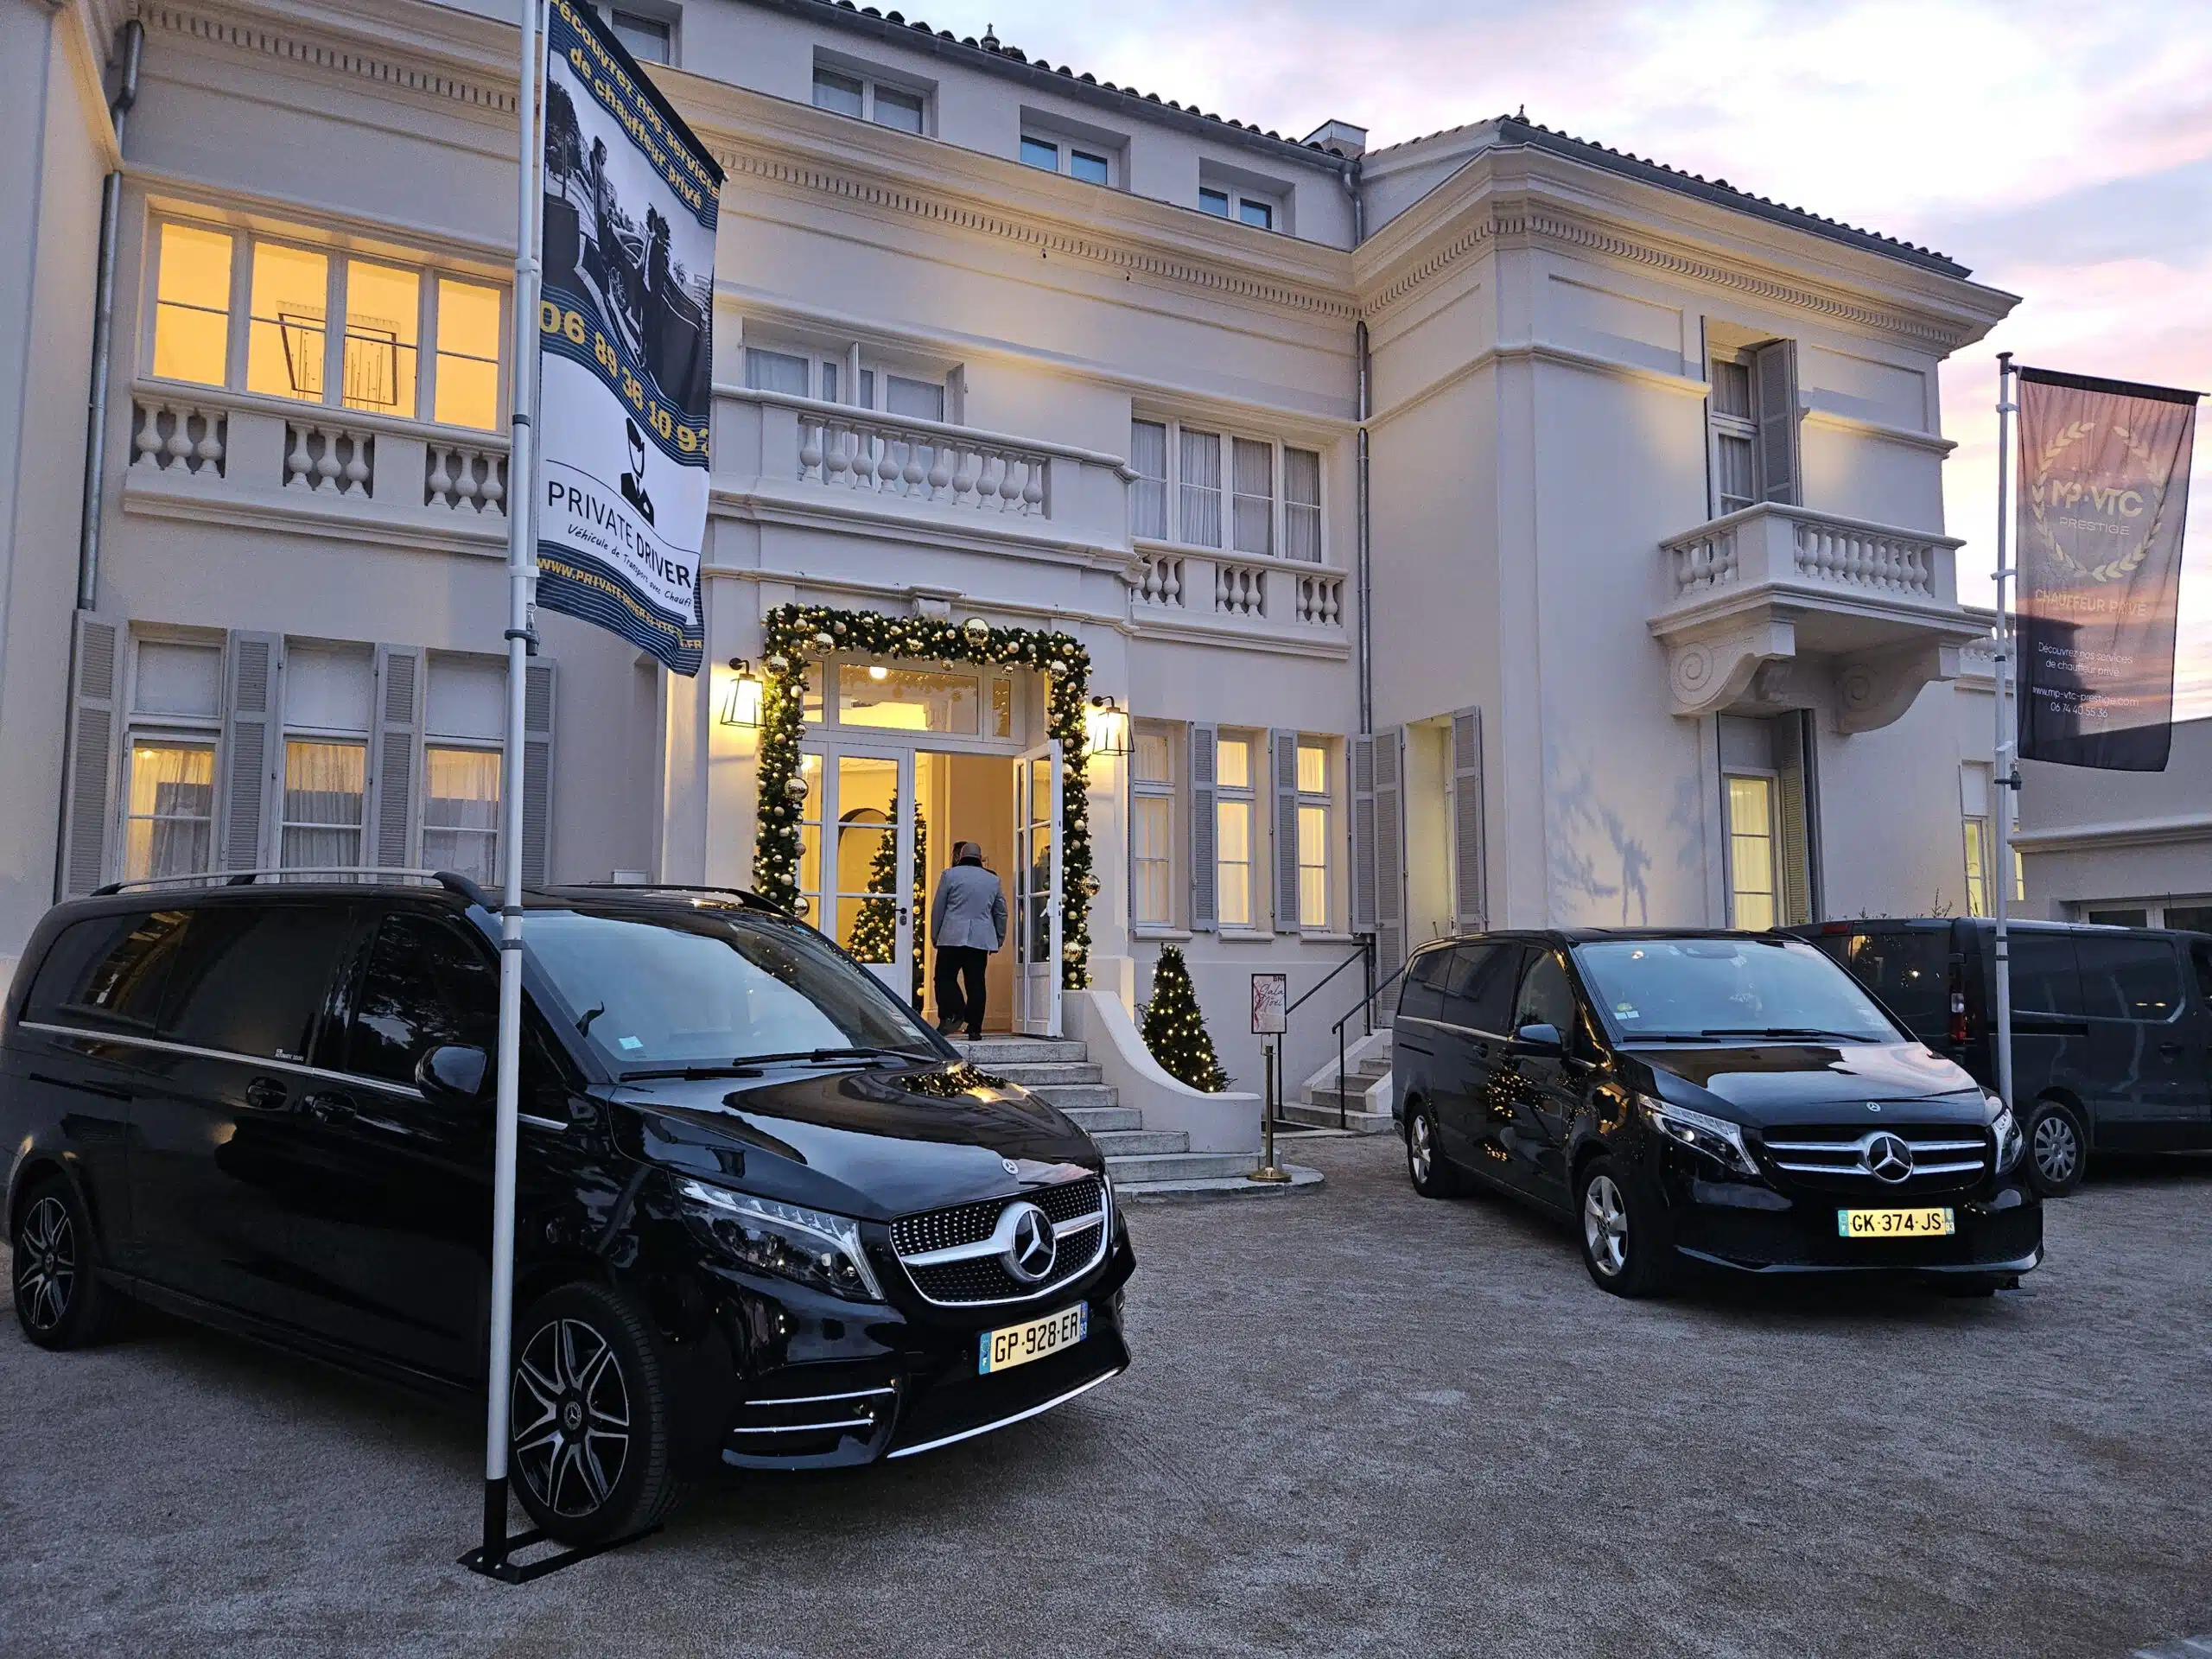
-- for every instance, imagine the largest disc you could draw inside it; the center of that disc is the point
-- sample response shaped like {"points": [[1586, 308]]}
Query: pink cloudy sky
{"points": [[2061, 150]]}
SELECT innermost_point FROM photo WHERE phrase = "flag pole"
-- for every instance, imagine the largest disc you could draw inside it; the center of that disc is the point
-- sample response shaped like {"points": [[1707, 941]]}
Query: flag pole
{"points": [[522, 492], [2005, 772]]}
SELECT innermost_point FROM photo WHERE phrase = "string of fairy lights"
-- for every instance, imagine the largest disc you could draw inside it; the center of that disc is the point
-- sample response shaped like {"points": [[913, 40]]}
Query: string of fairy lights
{"points": [[796, 636]]}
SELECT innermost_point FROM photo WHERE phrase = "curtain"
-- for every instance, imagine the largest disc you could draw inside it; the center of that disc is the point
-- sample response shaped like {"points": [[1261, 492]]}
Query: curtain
{"points": [[1202, 488], [1301, 504], [172, 810], [460, 812], [1148, 495], [323, 787], [1255, 525]]}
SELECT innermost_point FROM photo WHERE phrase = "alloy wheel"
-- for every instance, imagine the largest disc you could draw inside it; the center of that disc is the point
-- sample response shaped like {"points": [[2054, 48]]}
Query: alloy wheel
{"points": [[571, 1414], [1421, 1150], [46, 1264], [2057, 1149], [1604, 1225]]}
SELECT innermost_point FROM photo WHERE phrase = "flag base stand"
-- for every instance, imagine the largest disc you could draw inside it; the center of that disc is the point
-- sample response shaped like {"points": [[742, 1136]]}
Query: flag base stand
{"points": [[497, 1560], [1270, 1174]]}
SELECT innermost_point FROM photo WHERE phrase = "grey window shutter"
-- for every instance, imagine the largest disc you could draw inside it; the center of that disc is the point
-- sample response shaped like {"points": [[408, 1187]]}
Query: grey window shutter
{"points": [[1390, 854], [94, 700], [394, 747], [253, 749], [1205, 876], [1470, 876], [1793, 739], [1774, 367], [1284, 747], [537, 772], [1362, 750]]}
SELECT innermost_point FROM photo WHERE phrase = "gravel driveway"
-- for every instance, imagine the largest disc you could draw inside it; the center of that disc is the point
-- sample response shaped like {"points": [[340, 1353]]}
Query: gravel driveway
{"points": [[1359, 1422]]}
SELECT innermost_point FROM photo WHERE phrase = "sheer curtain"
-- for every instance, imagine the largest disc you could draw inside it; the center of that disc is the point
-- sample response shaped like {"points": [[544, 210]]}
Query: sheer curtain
{"points": [[460, 812], [1255, 530], [1149, 495], [172, 810], [1301, 504], [323, 787], [1201, 488]]}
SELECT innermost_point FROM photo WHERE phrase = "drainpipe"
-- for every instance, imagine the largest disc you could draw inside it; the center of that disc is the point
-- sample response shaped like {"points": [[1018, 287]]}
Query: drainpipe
{"points": [[1362, 583], [88, 532]]}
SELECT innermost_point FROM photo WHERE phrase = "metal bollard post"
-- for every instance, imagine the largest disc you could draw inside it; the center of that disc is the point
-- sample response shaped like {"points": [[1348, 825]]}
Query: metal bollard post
{"points": [[1267, 1171]]}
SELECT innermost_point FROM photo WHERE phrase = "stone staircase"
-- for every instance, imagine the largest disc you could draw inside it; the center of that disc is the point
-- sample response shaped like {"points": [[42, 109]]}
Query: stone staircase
{"points": [[1059, 1069], [1319, 1108]]}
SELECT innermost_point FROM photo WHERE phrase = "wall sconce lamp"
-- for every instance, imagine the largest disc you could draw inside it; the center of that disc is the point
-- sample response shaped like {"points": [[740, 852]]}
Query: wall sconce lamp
{"points": [[1108, 727], [743, 707]]}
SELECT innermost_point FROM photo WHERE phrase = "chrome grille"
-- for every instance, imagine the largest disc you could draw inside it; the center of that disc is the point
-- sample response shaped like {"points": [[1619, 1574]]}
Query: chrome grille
{"points": [[1942, 1156], [979, 1275]]}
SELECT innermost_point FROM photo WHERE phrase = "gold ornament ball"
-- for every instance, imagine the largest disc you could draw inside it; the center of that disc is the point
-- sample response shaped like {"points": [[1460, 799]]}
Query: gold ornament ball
{"points": [[778, 664], [976, 628], [795, 786]]}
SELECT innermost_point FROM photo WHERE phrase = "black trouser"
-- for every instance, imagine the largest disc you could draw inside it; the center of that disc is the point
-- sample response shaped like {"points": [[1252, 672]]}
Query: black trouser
{"points": [[957, 964]]}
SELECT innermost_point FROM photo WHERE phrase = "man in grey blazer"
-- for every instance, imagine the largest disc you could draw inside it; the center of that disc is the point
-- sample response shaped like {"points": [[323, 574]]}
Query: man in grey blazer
{"points": [[966, 922]]}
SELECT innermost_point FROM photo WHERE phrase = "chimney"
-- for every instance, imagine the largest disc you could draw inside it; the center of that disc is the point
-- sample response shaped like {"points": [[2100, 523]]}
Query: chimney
{"points": [[1340, 139]]}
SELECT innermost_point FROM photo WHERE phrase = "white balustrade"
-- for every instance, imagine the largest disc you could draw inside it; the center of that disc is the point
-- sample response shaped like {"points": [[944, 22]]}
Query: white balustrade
{"points": [[1239, 590], [170, 435], [1773, 542], [324, 455], [466, 478], [1321, 601], [1160, 582], [921, 461], [1703, 560], [1850, 556]]}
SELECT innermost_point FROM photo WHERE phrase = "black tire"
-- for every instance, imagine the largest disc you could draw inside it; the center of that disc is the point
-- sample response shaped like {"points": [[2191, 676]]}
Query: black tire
{"points": [[59, 1301], [1627, 1242], [1433, 1175], [592, 1417], [2058, 1148]]}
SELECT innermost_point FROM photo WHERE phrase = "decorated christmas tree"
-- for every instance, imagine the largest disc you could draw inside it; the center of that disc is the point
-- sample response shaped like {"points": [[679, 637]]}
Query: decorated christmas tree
{"points": [[1175, 1030], [876, 929]]}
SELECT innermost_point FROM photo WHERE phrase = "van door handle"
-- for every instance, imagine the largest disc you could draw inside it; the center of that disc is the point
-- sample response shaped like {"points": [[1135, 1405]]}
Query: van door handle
{"points": [[331, 1109], [2171, 1050], [264, 1092]]}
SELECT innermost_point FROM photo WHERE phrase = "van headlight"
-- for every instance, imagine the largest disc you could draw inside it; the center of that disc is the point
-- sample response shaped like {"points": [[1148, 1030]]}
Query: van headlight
{"points": [[2010, 1141], [1716, 1137], [809, 1247]]}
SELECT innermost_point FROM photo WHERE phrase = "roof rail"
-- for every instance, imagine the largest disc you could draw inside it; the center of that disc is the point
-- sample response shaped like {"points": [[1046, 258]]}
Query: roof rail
{"points": [[449, 879], [745, 896]]}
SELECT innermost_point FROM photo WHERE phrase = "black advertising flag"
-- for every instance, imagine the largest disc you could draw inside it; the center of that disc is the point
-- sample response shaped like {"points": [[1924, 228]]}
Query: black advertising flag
{"points": [[625, 343], [2104, 493]]}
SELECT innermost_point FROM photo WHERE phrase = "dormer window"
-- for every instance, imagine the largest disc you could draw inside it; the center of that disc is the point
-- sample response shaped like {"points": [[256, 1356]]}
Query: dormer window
{"points": [[1246, 205], [647, 38], [1052, 145], [866, 97]]}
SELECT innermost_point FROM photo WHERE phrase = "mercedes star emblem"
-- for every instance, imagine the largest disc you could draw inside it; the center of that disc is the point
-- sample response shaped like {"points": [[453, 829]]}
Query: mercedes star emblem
{"points": [[1031, 1246], [1887, 1158], [1012, 1168]]}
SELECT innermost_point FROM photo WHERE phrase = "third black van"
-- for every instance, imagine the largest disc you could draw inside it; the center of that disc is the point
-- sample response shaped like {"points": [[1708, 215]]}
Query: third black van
{"points": [[2112, 1027]]}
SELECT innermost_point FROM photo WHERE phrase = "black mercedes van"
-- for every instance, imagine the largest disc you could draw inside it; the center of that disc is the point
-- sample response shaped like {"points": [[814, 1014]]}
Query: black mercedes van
{"points": [[2111, 1026], [1731, 1100], [766, 1217]]}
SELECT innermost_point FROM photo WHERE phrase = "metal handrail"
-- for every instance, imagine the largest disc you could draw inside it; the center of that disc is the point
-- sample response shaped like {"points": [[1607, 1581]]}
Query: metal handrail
{"points": [[449, 879], [1366, 949], [1365, 1005]]}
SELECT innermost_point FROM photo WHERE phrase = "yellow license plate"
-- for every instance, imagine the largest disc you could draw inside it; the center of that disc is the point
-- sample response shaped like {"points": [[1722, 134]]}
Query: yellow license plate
{"points": [[1894, 1223], [1017, 1345]]}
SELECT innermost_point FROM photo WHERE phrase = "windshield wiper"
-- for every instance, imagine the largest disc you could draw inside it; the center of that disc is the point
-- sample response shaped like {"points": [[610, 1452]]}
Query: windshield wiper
{"points": [[1670, 1036], [749, 1065], [688, 1073], [1790, 1031]]}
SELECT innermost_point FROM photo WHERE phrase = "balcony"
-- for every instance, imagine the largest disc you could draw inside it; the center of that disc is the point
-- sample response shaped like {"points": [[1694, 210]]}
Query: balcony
{"points": [[1767, 603], [796, 460], [201, 452], [1269, 603]]}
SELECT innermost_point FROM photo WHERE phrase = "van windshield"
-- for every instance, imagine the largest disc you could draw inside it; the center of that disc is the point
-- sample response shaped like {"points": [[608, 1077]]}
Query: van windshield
{"points": [[1718, 988], [711, 992]]}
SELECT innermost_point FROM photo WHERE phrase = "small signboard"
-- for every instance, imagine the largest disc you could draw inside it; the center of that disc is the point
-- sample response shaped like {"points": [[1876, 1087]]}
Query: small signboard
{"points": [[1270, 993]]}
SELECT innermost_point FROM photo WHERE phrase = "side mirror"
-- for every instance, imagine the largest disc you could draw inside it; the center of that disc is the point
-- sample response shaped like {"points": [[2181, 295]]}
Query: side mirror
{"points": [[1541, 1041], [453, 1071]]}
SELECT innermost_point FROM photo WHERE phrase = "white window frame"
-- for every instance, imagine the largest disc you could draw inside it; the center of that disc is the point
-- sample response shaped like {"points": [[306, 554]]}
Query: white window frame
{"points": [[1256, 840], [632, 13], [340, 259], [1169, 790], [1065, 149], [1325, 801], [853, 373], [422, 824], [197, 730], [870, 78], [1774, 890], [1278, 517], [1729, 428]]}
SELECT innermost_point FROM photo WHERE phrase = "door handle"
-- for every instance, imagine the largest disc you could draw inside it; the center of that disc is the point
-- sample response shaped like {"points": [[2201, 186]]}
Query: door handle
{"points": [[2171, 1050], [331, 1109], [264, 1092]]}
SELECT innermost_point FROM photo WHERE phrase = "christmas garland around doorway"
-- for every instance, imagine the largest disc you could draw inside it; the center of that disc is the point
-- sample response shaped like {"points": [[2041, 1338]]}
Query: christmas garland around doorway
{"points": [[796, 636]]}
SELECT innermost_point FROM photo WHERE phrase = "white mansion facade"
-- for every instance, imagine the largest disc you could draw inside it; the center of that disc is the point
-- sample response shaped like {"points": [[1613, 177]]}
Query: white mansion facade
{"points": [[1493, 529]]}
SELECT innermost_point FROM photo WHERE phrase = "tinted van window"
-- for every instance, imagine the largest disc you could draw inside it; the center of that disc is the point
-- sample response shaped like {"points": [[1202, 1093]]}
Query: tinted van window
{"points": [[2126, 978], [1547, 995], [252, 978], [2201, 954], [425, 985], [2044, 979], [1478, 993], [1910, 970], [1423, 995], [108, 971]]}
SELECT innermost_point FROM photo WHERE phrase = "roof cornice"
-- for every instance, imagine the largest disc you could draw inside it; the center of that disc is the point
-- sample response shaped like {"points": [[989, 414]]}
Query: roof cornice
{"points": [[1526, 195]]}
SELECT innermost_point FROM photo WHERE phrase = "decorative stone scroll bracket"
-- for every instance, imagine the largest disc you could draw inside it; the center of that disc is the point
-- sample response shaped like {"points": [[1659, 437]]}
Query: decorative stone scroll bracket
{"points": [[1707, 674], [1872, 691]]}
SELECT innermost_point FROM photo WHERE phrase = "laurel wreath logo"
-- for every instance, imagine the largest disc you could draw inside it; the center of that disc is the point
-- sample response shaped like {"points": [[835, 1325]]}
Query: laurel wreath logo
{"points": [[2073, 433]]}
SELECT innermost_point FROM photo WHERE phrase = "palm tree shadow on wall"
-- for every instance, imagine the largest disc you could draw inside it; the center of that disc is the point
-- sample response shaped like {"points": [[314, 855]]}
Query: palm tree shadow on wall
{"points": [[1596, 858]]}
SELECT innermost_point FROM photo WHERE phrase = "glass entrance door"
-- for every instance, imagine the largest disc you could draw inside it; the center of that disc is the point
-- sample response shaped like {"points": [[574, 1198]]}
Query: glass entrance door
{"points": [[1037, 890], [870, 905]]}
